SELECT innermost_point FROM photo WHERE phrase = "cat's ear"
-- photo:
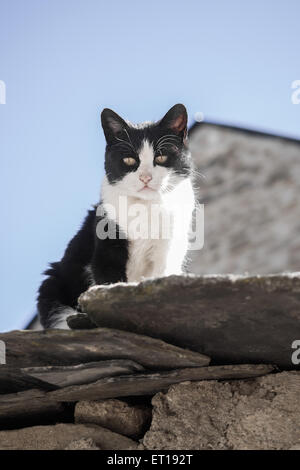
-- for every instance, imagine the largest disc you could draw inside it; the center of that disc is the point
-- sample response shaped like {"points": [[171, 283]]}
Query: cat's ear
{"points": [[176, 120], [112, 124]]}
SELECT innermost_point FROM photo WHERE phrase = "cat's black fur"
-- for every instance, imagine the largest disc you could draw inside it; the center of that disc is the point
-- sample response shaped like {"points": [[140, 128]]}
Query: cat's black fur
{"points": [[88, 259], [68, 278]]}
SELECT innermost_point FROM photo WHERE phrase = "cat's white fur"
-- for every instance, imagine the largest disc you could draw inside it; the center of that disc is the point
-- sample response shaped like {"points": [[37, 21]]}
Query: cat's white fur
{"points": [[171, 197], [59, 319]]}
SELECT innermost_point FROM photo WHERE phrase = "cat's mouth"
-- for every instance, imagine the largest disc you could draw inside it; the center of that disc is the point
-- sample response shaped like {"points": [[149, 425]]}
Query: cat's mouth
{"points": [[145, 188]]}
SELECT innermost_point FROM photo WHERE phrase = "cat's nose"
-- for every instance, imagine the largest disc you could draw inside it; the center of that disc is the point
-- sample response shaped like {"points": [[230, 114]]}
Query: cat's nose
{"points": [[145, 178]]}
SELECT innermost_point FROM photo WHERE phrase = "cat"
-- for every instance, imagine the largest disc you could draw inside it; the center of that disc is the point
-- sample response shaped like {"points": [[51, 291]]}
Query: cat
{"points": [[147, 166]]}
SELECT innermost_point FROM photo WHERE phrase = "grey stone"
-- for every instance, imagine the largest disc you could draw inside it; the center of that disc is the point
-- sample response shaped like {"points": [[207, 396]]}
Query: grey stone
{"points": [[82, 444], [295, 447], [17, 380], [52, 377], [28, 407], [261, 413], [116, 415], [34, 406], [72, 347], [232, 319], [150, 383], [64, 376], [60, 436]]}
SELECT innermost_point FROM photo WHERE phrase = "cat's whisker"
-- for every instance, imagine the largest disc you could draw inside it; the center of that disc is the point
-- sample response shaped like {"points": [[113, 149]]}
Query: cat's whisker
{"points": [[124, 142], [167, 139], [128, 137], [164, 145], [197, 173], [165, 142], [169, 136]]}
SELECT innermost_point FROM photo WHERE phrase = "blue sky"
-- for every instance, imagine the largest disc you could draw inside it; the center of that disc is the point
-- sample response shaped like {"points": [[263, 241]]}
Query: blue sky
{"points": [[64, 60]]}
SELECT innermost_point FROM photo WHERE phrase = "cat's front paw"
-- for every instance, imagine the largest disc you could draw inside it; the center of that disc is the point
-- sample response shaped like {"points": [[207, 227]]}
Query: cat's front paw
{"points": [[80, 321]]}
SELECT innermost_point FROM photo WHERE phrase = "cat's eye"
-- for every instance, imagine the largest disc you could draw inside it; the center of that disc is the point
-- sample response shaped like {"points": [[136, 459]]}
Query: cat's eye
{"points": [[130, 161], [161, 159]]}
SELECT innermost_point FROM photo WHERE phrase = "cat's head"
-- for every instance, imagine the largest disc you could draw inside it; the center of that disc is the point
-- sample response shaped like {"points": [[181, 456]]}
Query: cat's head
{"points": [[149, 159]]}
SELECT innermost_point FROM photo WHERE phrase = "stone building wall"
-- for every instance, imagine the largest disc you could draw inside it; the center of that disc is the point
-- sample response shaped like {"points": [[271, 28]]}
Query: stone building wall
{"points": [[250, 188]]}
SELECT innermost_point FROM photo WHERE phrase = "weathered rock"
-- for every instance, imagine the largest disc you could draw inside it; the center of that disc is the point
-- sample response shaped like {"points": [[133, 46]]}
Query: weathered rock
{"points": [[116, 415], [17, 380], [83, 444], [53, 377], [64, 376], [150, 383], [28, 407], [60, 436], [251, 191], [232, 319], [67, 347], [31, 403], [261, 413], [295, 446]]}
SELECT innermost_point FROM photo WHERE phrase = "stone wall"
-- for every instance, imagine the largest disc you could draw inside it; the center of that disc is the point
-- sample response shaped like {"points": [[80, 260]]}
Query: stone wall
{"points": [[257, 414], [185, 362], [250, 188], [254, 414]]}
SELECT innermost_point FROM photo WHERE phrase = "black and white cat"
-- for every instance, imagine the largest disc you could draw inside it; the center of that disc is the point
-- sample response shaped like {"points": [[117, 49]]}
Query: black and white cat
{"points": [[147, 167]]}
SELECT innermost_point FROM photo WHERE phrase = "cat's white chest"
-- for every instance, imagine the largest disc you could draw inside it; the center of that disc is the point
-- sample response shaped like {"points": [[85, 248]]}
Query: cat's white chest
{"points": [[140, 260], [166, 229], [157, 231]]}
